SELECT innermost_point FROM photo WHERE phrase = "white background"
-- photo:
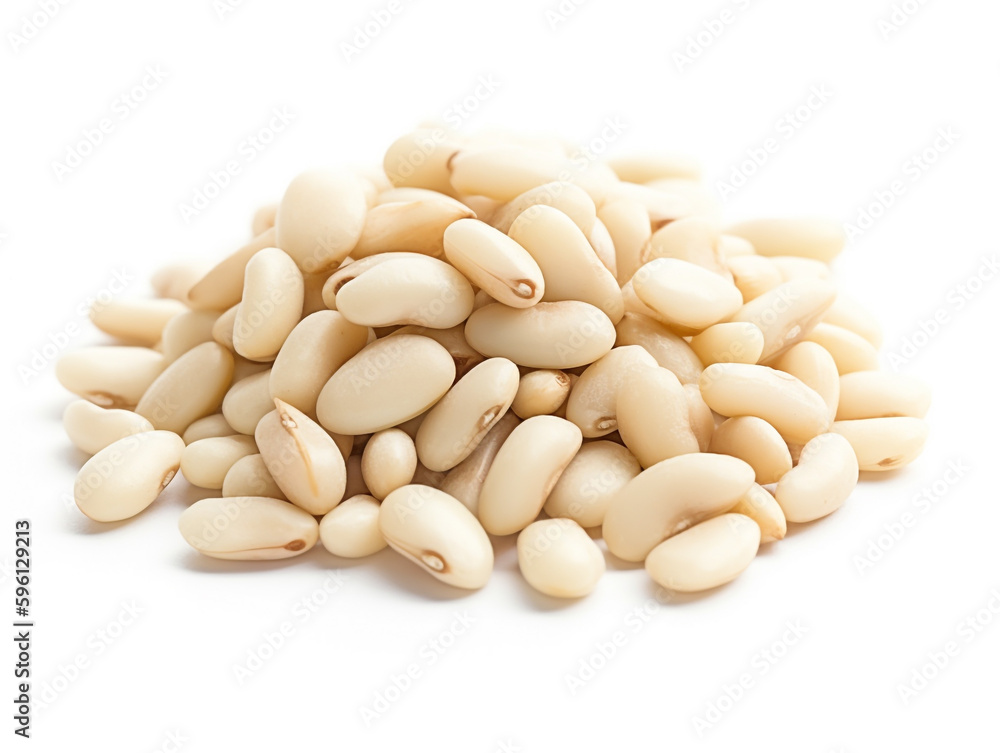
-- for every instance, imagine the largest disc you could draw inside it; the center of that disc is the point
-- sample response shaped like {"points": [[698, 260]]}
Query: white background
{"points": [[502, 684]]}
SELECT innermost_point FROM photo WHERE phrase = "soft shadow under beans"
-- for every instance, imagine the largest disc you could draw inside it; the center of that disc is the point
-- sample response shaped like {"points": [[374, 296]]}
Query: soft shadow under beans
{"points": [[678, 598], [200, 563]]}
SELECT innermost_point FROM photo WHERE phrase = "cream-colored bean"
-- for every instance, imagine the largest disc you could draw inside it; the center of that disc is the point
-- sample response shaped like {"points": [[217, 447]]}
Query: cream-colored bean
{"points": [[627, 222], [650, 166], [420, 160], [415, 226], [592, 403], [793, 267], [388, 462], [754, 275], [386, 383], [849, 314], [320, 218], [222, 286], [729, 342], [690, 298], [568, 198], [671, 351], [504, 172], [457, 424], [111, 376], [700, 415], [795, 410], [524, 471], [206, 462], [812, 238], [587, 485], [248, 528], [405, 195], [540, 393], [755, 441], [137, 322], [222, 329], [851, 352], [669, 497], [408, 289], [439, 534], [264, 218], [705, 556], [787, 314], [884, 444], [559, 335], [559, 559], [186, 330], [465, 480], [188, 389], [215, 425], [763, 509], [813, 365], [247, 402], [691, 239], [249, 477], [821, 482], [453, 340], [699, 200], [176, 280], [570, 267], [126, 477], [661, 206], [273, 293], [494, 262], [351, 528], [881, 394], [92, 428], [731, 246], [302, 458], [654, 419]]}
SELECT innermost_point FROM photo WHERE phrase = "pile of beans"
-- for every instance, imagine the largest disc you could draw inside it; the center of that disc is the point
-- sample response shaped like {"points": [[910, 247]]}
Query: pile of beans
{"points": [[493, 336]]}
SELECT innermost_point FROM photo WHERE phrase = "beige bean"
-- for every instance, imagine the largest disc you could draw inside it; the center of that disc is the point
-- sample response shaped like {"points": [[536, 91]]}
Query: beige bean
{"points": [[318, 346], [650, 166], [669, 497], [813, 365], [264, 218], [388, 462], [700, 416], [504, 172], [884, 444], [176, 280], [206, 462], [731, 246], [821, 482], [560, 335], [409, 289], [559, 559], [494, 262], [453, 340], [137, 322], [126, 477], [222, 286], [524, 471], [756, 442], [691, 239], [754, 275], [351, 528], [851, 352], [222, 330], [465, 480], [729, 342], [249, 477], [793, 267], [627, 222], [795, 410], [570, 267], [188, 389], [661, 206], [111, 376], [420, 159], [215, 425], [849, 314], [273, 293], [248, 528], [812, 238], [320, 218], [540, 393], [247, 402], [592, 403], [386, 383], [670, 350], [592, 478], [568, 198], [416, 226], [186, 330], [457, 424], [761, 507], [302, 458], [787, 314], [654, 419], [881, 394], [436, 532], [707, 555], [405, 195], [92, 428], [688, 297]]}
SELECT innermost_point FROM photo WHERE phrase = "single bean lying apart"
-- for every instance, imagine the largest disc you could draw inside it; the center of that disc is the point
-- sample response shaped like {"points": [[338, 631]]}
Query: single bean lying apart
{"points": [[486, 338]]}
